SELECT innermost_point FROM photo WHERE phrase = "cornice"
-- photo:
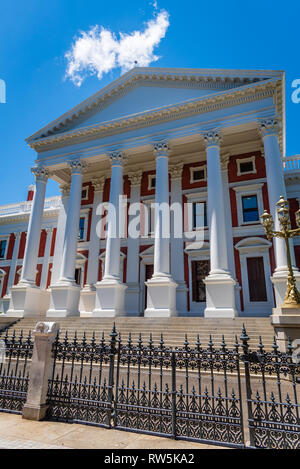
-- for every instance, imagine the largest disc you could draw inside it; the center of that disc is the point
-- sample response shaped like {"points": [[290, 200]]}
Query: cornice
{"points": [[189, 108], [25, 216]]}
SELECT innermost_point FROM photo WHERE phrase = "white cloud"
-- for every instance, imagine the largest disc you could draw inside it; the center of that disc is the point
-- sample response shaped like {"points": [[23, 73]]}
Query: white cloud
{"points": [[98, 50]]}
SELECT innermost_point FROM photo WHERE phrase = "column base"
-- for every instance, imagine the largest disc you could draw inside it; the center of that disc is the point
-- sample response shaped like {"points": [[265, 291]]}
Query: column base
{"points": [[132, 299], [279, 280], [110, 298], [27, 301], [87, 299], [64, 301], [31, 412], [161, 298], [286, 323], [220, 296]]}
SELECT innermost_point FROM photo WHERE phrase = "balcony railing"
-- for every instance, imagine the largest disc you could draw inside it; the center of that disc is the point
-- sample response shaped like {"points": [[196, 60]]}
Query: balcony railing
{"points": [[51, 203], [291, 163]]}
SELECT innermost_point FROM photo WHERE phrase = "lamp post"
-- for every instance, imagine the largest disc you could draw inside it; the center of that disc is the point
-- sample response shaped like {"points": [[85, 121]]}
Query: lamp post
{"points": [[292, 296]]}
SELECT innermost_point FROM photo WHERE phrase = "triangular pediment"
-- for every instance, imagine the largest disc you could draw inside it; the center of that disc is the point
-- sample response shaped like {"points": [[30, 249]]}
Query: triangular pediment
{"points": [[143, 90]]}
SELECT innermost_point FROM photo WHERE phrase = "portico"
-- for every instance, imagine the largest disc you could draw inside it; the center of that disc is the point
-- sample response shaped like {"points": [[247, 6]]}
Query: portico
{"points": [[189, 155]]}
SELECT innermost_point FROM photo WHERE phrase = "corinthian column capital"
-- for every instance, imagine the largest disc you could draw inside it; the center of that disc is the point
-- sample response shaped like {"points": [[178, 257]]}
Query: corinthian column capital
{"points": [[269, 126], [77, 166], [212, 138], [40, 173], [65, 190], [98, 183], [176, 170], [135, 177], [117, 158], [161, 149]]}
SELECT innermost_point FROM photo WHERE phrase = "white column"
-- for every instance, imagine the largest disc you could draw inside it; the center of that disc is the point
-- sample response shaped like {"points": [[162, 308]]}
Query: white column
{"points": [[110, 292], [177, 243], [34, 229], [220, 296], [132, 297], [113, 243], [161, 289], [229, 233], [45, 269], [13, 264], [26, 298], [88, 294], [269, 129], [60, 233], [67, 272], [65, 293]]}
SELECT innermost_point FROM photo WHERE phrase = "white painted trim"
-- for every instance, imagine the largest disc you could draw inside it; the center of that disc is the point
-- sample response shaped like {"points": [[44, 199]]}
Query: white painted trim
{"points": [[198, 168], [150, 179], [247, 190], [87, 189], [84, 213], [246, 160], [196, 252], [255, 247], [4, 238]]}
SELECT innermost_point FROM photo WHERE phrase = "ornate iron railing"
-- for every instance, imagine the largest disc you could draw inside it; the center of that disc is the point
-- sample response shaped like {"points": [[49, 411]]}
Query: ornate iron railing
{"points": [[80, 389], [14, 372], [218, 395], [273, 394]]}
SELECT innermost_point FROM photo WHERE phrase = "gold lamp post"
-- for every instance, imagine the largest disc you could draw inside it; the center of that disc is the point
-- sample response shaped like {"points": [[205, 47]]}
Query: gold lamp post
{"points": [[292, 296]]}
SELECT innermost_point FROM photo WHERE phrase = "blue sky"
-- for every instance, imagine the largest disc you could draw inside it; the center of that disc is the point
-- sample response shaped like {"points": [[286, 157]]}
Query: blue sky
{"points": [[35, 36]]}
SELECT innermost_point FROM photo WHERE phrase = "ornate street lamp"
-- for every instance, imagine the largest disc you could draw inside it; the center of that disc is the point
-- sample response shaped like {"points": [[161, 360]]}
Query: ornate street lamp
{"points": [[292, 296]]}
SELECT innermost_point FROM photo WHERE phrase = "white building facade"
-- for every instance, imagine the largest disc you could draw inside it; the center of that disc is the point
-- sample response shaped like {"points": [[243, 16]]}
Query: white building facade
{"points": [[209, 142]]}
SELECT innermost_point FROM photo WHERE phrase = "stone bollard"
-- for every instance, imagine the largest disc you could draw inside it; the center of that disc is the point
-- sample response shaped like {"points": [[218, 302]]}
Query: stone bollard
{"points": [[40, 370]]}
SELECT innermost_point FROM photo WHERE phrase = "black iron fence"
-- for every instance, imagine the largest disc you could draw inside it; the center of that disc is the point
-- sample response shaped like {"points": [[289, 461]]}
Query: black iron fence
{"points": [[220, 395], [14, 371]]}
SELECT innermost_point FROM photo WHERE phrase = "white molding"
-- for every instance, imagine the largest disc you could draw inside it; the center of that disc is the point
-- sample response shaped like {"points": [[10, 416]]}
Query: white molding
{"points": [[84, 213], [255, 247], [246, 160], [150, 179], [5, 238], [244, 191], [87, 189], [198, 168]]}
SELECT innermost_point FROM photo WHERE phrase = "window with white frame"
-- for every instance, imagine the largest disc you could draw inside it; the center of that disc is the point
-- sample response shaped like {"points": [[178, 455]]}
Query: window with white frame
{"points": [[250, 208], [249, 203], [151, 182], [196, 211], [83, 225], [256, 273], [85, 193], [197, 173], [149, 215], [199, 215], [246, 166], [3, 248]]}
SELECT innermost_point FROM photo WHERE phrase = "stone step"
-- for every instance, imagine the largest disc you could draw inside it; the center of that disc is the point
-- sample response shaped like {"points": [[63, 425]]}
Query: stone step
{"points": [[173, 329]]}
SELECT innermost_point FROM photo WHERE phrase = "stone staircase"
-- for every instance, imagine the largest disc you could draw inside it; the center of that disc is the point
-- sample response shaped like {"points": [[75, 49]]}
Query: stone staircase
{"points": [[173, 329]]}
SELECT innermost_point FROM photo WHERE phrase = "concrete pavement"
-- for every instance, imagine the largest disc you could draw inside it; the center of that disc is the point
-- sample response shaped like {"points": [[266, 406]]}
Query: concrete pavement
{"points": [[17, 433]]}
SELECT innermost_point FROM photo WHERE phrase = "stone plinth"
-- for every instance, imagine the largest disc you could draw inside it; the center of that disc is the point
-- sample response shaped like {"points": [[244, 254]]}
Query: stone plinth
{"points": [[286, 323], [40, 370]]}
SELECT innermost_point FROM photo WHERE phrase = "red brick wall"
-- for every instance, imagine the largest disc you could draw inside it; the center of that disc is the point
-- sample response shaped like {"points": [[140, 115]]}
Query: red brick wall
{"points": [[259, 165]]}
